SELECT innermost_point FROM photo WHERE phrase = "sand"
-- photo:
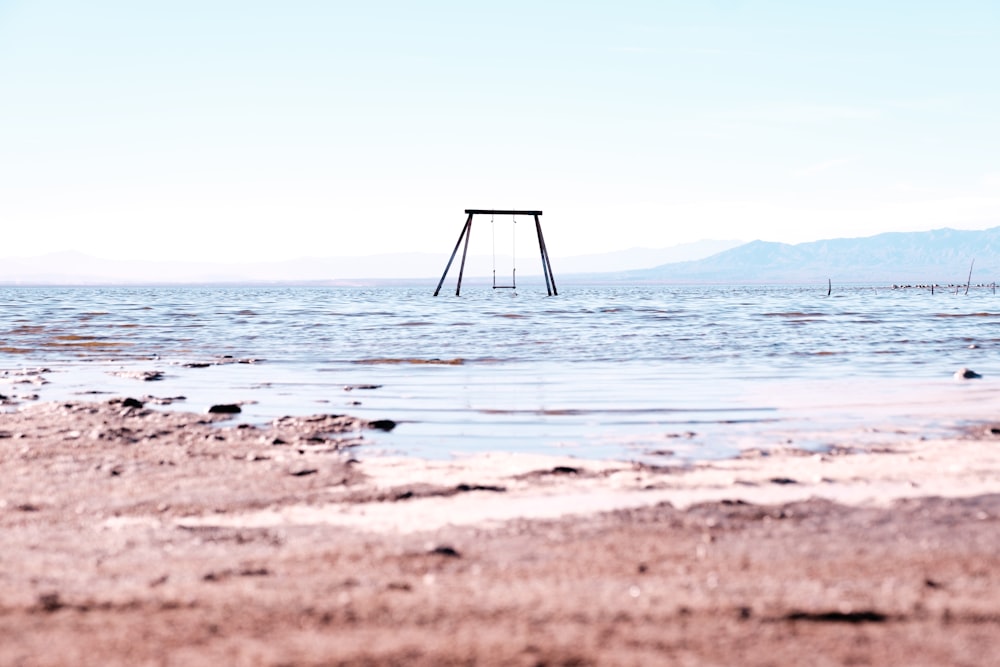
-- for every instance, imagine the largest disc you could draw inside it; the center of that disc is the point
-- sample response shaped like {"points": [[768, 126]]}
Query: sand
{"points": [[133, 536]]}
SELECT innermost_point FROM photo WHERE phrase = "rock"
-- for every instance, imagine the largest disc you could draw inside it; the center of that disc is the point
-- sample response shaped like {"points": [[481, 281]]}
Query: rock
{"points": [[966, 374], [132, 403], [50, 602], [225, 409], [446, 551]]}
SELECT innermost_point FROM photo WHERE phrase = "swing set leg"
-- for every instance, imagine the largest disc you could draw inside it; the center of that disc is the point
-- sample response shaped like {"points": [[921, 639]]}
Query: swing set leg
{"points": [[465, 252], [466, 232], [550, 280]]}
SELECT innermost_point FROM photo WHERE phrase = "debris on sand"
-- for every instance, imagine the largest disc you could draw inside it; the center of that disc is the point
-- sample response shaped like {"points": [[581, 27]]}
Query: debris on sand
{"points": [[145, 376]]}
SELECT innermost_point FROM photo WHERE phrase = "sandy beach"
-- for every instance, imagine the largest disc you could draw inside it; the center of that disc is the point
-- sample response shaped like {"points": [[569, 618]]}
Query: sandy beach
{"points": [[138, 537]]}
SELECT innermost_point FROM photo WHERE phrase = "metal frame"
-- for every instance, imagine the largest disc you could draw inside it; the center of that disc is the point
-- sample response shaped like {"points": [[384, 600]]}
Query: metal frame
{"points": [[550, 281]]}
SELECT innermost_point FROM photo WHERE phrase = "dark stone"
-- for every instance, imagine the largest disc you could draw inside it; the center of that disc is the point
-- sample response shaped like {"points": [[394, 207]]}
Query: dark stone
{"points": [[447, 551], [659, 452], [132, 403], [255, 572], [225, 409], [382, 424], [480, 487], [399, 586], [50, 602], [866, 616]]}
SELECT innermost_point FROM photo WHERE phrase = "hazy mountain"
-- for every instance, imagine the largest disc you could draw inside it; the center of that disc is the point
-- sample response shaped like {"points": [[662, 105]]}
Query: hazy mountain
{"points": [[73, 268], [942, 256], [636, 258]]}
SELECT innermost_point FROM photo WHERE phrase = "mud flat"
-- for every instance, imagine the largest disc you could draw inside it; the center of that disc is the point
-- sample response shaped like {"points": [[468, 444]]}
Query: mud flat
{"points": [[138, 537]]}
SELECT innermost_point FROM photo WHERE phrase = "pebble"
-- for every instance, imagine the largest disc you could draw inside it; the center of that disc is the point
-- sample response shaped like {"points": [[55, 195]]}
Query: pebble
{"points": [[446, 550], [225, 409]]}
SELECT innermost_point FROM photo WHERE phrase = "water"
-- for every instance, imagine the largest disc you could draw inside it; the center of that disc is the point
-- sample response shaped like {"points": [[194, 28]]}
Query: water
{"points": [[660, 374]]}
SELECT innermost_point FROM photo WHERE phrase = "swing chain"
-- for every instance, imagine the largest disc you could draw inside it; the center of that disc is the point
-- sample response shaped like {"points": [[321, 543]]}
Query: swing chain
{"points": [[513, 255], [513, 252]]}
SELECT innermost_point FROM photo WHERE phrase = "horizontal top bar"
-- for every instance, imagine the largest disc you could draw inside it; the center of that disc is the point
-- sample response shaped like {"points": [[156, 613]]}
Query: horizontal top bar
{"points": [[474, 211]]}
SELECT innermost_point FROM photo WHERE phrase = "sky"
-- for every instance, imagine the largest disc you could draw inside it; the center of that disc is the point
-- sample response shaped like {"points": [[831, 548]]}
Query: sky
{"points": [[242, 130]]}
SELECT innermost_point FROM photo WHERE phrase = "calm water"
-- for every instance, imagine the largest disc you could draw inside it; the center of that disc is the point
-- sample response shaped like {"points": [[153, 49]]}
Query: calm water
{"points": [[662, 374]]}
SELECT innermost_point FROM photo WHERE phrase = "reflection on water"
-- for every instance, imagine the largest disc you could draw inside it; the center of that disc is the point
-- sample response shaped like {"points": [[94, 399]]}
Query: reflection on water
{"points": [[657, 373]]}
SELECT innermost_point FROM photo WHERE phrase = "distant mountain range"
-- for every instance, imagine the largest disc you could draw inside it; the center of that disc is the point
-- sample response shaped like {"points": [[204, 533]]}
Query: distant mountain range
{"points": [[941, 256]]}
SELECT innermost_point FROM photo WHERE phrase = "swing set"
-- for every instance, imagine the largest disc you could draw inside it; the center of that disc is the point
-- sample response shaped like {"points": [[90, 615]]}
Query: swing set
{"points": [[550, 283]]}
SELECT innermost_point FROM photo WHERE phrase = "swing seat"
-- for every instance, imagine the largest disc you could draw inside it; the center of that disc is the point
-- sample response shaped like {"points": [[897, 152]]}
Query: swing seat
{"points": [[505, 287]]}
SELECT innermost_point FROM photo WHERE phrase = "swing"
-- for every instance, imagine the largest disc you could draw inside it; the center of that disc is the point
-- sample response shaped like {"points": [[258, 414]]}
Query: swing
{"points": [[550, 283], [513, 251]]}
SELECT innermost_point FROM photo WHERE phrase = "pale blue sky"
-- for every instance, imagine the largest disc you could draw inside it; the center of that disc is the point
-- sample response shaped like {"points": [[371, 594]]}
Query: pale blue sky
{"points": [[243, 130]]}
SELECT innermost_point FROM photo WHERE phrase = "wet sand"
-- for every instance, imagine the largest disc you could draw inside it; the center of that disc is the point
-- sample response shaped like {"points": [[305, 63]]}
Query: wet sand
{"points": [[134, 537]]}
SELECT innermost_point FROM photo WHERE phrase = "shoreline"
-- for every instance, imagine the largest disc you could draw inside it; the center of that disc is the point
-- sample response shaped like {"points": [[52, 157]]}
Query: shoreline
{"points": [[699, 420], [137, 536]]}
